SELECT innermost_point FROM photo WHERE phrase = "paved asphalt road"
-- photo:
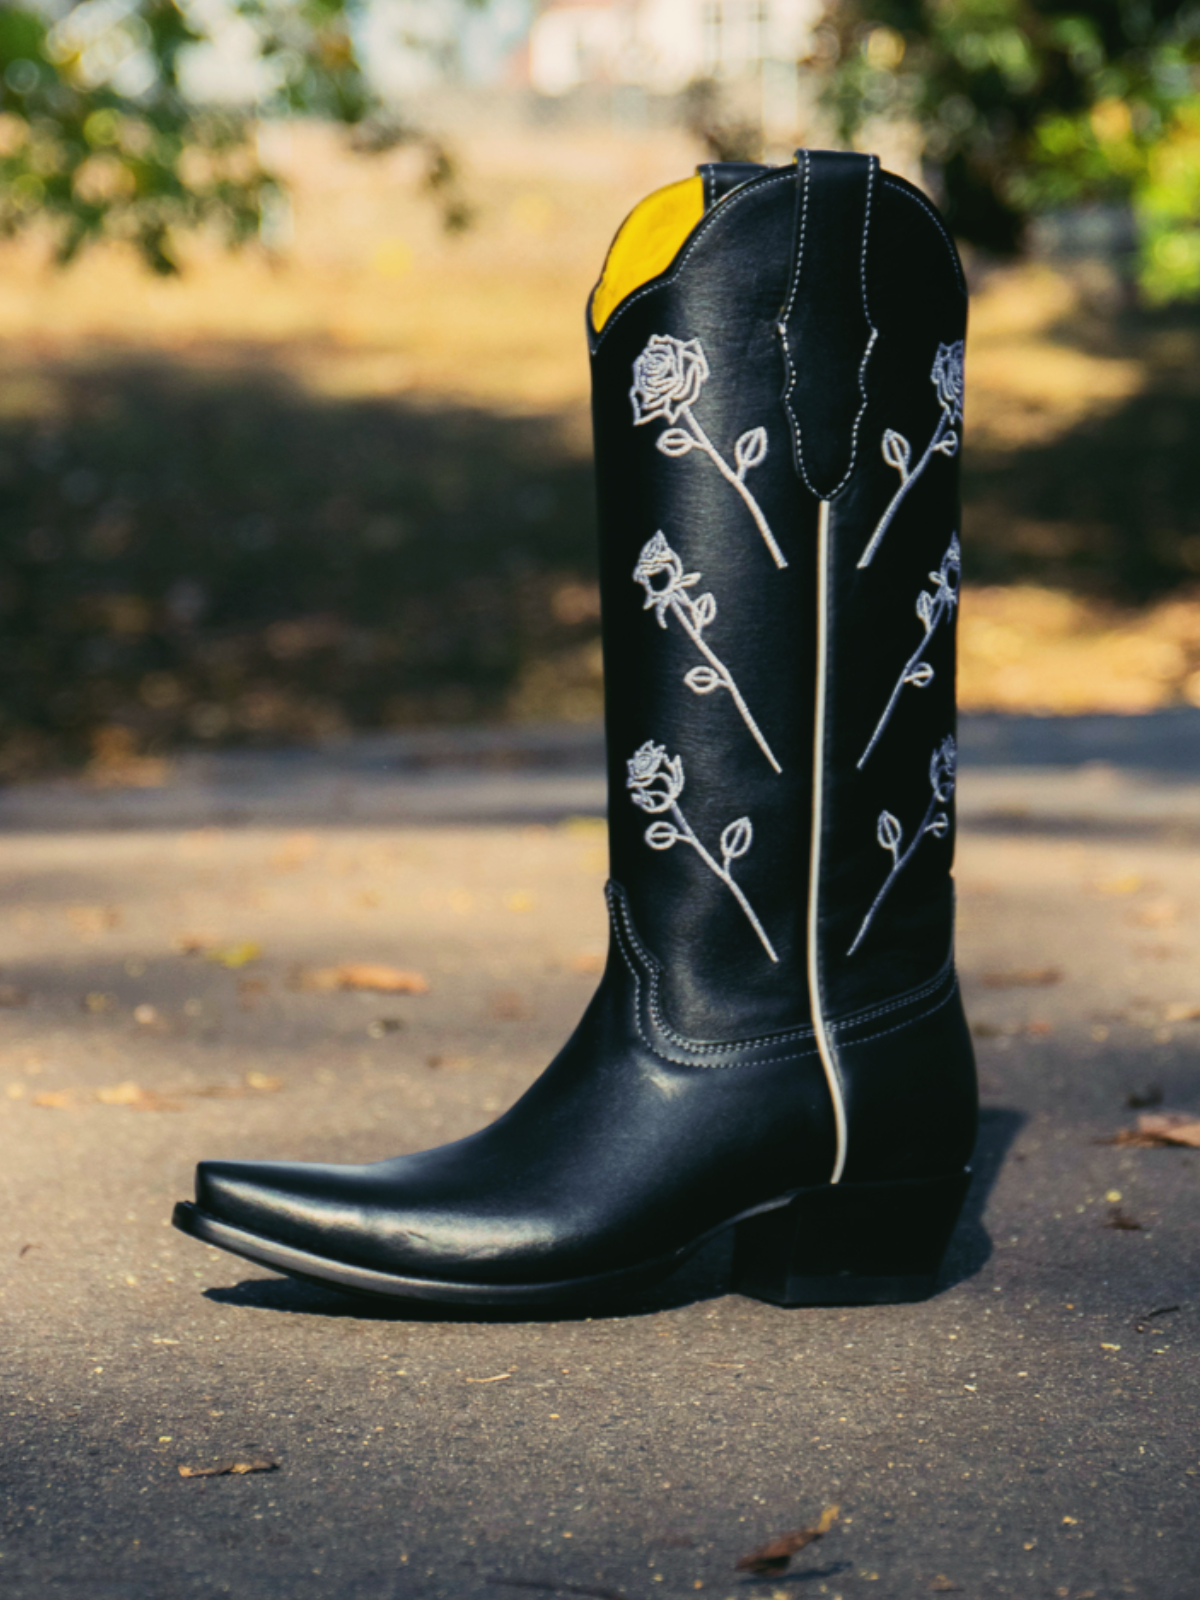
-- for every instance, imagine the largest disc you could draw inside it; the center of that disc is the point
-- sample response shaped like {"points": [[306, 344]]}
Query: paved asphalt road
{"points": [[1032, 1431]]}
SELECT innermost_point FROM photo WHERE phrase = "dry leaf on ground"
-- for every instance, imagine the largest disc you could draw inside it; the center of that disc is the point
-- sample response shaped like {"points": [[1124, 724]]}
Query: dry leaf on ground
{"points": [[588, 963], [1023, 978], [773, 1558], [235, 955], [944, 1585], [136, 1098], [1182, 1011], [52, 1099], [1122, 1221], [506, 1005], [364, 975], [1160, 1128], [226, 1469]]}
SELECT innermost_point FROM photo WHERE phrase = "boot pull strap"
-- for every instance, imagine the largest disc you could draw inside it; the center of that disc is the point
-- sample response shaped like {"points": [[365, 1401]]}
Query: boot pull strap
{"points": [[722, 177], [825, 326]]}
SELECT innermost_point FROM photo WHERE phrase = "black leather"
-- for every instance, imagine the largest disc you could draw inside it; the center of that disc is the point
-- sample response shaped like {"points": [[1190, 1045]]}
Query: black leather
{"points": [[789, 357]]}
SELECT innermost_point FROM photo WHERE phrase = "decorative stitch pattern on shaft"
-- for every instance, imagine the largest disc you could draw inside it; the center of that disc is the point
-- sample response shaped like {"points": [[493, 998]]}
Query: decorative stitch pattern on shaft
{"points": [[947, 379], [932, 606], [668, 377], [655, 781], [660, 572], [890, 833]]}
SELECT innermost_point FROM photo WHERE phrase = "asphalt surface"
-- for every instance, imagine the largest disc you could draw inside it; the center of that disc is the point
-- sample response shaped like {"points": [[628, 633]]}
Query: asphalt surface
{"points": [[1030, 1431]]}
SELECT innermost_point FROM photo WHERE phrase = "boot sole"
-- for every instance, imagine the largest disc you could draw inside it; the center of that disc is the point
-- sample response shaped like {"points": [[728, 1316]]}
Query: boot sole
{"points": [[843, 1244]]}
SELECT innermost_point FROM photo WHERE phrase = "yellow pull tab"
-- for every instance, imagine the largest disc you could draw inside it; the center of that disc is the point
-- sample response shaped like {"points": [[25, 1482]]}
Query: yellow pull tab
{"points": [[646, 244]]}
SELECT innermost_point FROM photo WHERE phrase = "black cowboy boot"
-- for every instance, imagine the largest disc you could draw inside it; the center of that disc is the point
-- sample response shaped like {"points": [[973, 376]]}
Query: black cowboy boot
{"points": [[777, 1045]]}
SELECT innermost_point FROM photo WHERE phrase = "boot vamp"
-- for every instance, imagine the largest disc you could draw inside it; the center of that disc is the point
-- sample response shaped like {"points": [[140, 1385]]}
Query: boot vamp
{"points": [[611, 1158]]}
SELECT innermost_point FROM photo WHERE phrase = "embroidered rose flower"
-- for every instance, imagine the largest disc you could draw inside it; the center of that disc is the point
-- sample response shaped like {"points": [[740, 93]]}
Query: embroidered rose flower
{"points": [[656, 561], [654, 779], [667, 376], [947, 376]]}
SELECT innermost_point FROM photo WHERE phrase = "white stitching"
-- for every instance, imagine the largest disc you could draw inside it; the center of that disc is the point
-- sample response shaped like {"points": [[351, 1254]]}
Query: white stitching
{"points": [[718, 214], [851, 1044], [872, 167], [920, 200], [694, 616], [616, 899]]}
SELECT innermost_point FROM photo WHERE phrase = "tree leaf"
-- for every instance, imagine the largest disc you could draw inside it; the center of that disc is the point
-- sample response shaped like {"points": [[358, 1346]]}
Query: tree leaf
{"points": [[925, 608], [750, 450], [949, 445], [940, 826], [737, 839], [704, 610], [703, 680], [674, 442], [921, 676]]}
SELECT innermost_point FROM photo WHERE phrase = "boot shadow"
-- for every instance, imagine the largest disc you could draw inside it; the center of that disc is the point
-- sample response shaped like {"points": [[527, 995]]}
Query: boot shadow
{"points": [[704, 1276], [971, 1246]]}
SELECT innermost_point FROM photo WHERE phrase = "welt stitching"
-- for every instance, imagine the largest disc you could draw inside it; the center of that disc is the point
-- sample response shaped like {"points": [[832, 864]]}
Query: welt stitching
{"points": [[724, 1048], [627, 932], [702, 229], [919, 200]]}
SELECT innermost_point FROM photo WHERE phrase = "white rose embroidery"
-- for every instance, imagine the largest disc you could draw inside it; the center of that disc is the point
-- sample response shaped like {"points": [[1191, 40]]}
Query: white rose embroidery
{"points": [[660, 572], [947, 379], [668, 377], [889, 832], [655, 781], [932, 606]]}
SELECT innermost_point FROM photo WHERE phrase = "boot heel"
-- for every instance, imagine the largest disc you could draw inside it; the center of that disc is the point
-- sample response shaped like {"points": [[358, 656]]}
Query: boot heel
{"points": [[850, 1243]]}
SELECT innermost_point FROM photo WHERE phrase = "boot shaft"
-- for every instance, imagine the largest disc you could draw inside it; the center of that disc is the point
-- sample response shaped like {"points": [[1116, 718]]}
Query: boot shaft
{"points": [[777, 423]]}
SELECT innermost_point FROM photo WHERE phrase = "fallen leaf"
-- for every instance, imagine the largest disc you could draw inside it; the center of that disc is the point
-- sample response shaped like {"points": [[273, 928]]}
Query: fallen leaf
{"points": [[364, 975], [93, 919], [773, 1558], [10, 995], [497, 1378], [191, 944], [52, 1099], [450, 1063], [986, 1030], [99, 1003], [1170, 1127], [1182, 1011], [295, 850], [1039, 1029], [382, 1026], [236, 1469], [588, 963], [944, 1585], [263, 1082], [1122, 1222], [1157, 914], [1022, 978], [506, 1005], [1159, 1311], [235, 955], [136, 1098]]}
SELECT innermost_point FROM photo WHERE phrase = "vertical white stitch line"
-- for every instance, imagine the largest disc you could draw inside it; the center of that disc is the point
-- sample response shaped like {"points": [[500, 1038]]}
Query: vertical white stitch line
{"points": [[814, 867]]}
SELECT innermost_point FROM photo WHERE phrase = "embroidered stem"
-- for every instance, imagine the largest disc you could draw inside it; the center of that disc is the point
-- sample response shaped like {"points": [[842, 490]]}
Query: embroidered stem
{"points": [[890, 834], [726, 877], [680, 608], [931, 608], [738, 482], [906, 484]]}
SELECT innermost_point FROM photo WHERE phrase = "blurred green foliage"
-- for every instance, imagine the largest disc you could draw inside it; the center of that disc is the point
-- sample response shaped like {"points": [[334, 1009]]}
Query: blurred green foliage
{"points": [[97, 139], [1028, 106]]}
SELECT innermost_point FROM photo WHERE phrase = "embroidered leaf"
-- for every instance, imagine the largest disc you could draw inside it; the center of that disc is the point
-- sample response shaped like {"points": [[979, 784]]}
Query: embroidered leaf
{"points": [[940, 826], [889, 832], [897, 451], [674, 442], [921, 676], [949, 445], [737, 839], [705, 610], [925, 608], [703, 680], [750, 450], [662, 835]]}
